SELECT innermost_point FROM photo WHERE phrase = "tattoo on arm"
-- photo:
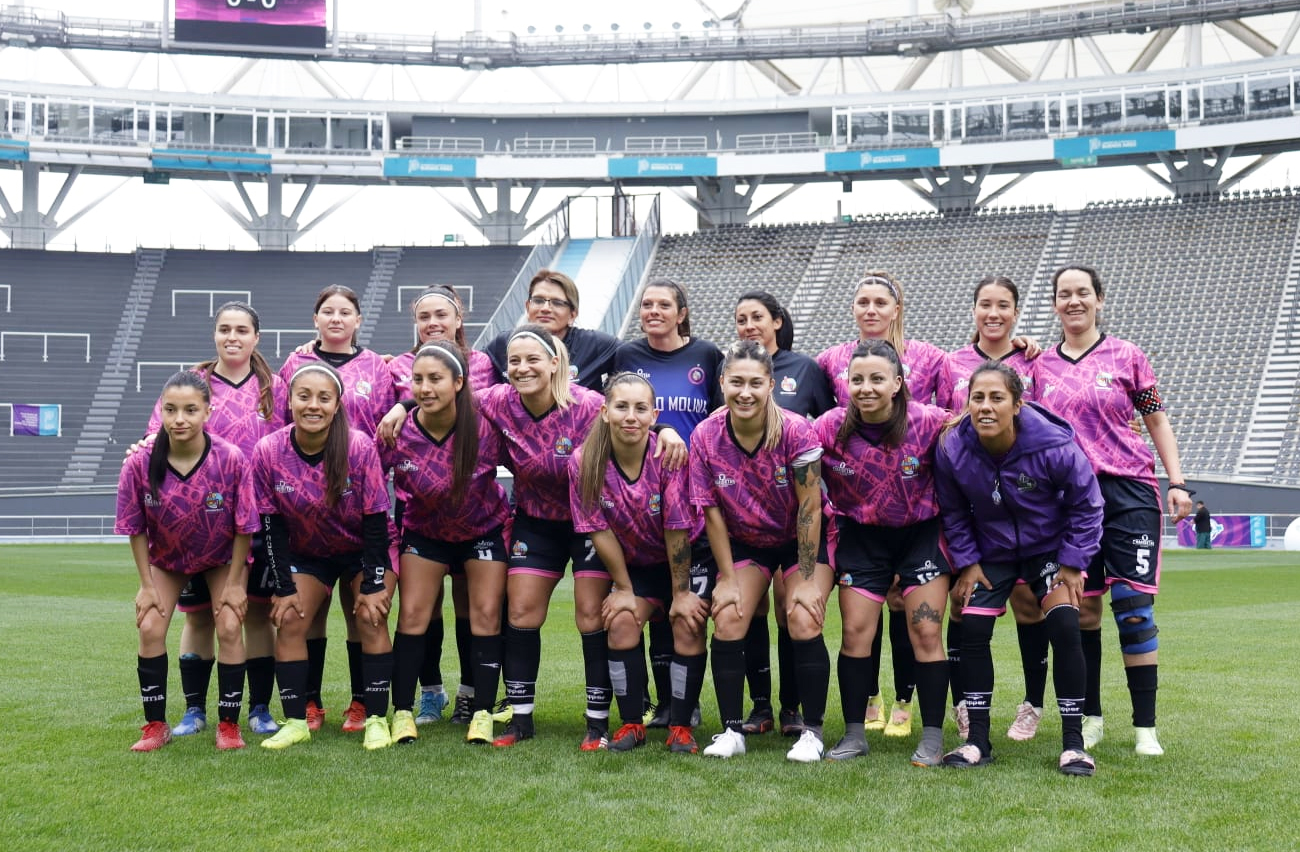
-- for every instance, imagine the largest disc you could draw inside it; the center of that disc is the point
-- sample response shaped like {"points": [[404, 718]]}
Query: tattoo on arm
{"points": [[808, 478], [679, 562], [806, 473], [925, 613]]}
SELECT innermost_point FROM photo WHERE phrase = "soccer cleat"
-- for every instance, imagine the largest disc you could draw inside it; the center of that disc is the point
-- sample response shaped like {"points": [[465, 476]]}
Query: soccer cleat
{"points": [[759, 722], [154, 736], [354, 718], [962, 715], [1075, 762], [260, 721], [194, 720], [480, 728], [228, 736], [681, 740], [628, 737], [807, 749], [1147, 744], [503, 712], [292, 731], [927, 757], [377, 735], [1026, 724], [656, 716], [404, 730], [315, 716], [791, 723], [966, 756], [729, 743], [431, 707], [463, 711], [515, 733], [848, 748], [875, 717], [1093, 731], [900, 720], [596, 738]]}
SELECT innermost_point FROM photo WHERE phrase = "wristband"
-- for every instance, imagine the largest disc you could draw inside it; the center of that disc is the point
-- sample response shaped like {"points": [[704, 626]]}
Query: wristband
{"points": [[1181, 487], [372, 579]]}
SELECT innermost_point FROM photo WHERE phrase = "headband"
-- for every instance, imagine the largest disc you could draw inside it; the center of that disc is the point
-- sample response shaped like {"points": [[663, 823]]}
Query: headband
{"points": [[548, 347], [436, 347], [882, 281], [320, 368], [440, 295]]}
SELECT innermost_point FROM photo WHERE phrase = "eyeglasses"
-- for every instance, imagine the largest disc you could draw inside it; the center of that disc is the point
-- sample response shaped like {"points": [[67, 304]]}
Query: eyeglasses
{"points": [[543, 302]]}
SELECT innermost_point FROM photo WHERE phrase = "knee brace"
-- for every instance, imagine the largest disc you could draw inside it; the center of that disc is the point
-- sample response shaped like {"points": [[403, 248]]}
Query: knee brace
{"points": [[1135, 616]]}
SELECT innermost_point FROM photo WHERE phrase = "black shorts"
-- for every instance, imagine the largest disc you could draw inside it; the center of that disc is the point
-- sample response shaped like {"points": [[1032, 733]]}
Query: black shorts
{"points": [[769, 560], [652, 582], [329, 569], [196, 596], [1039, 572], [545, 547], [704, 569], [867, 557], [489, 547], [1130, 537]]}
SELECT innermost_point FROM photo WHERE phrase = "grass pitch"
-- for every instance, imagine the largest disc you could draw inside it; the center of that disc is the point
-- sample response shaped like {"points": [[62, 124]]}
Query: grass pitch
{"points": [[69, 701]]}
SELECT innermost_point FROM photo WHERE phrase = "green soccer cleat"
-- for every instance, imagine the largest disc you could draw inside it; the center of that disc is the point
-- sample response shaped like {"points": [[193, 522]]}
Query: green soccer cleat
{"points": [[377, 735], [292, 732]]}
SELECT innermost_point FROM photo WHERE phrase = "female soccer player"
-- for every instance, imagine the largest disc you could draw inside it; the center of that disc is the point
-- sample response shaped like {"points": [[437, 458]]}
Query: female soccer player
{"points": [[879, 455], [1036, 526], [367, 395], [324, 504], [756, 472], [801, 387], [248, 403], [878, 312], [1096, 382], [996, 311], [452, 510], [641, 524], [189, 509]]}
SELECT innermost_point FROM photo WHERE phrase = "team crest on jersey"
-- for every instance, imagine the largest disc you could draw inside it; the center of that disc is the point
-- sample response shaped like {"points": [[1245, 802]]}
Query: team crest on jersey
{"points": [[1144, 541], [723, 481], [563, 446], [283, 487], [911, 467], [1025, 483], [1103, 380], [1027, 382], [573, 372], [695, 375], [362, 389], [789, 385], [842, 469], [782, 476], [656, 504], [519, 550], [408, 466], [907, 371], [214, 501]]}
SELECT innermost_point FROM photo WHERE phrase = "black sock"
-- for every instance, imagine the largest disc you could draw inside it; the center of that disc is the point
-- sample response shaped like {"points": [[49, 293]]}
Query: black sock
{"points": [[486, 653], [152, 672], [900, 648], [196, 675], [1033, 659], [627, 674], [523, 656], [853, 673], [408, 652], [431, 668], [729, 680], [595, 664], [877, 643], [931, 689], [377, 673], [1091, 641], [661, 659], [356, 676], [465, 650], [954, 660], [1142, 684], [310, 689], [812, 667], [230, 690], [292, 678], [1068, 677], [261, 680], [977, 676], [688, 682], [788, 693], [758, 663]]}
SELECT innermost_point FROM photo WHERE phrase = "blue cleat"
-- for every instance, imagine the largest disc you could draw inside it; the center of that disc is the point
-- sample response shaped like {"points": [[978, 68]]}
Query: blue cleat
{"points": [[431, 706], [260, 721], [194, 720]]}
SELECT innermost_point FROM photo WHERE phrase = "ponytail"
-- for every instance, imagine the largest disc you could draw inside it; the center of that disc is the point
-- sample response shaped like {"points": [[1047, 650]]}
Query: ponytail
{"points": [[465, 444], [261, 369], [598, 446], [560, 387], [338, 439]]}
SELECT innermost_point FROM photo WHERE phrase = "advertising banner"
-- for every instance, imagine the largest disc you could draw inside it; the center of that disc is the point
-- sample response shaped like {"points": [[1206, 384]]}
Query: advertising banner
{"points": [[35, 419], [1227, 531], [430, 167], [655, 167], [1114, 145], [259, 23], [888, 158]]}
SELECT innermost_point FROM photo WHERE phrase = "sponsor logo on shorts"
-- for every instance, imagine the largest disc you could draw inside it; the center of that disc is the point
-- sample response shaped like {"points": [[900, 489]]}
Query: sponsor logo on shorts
{"points": [[846, 579], [283, 487], [782, 476], [789, 385], [695, 375], [407, 466], [1025, 483], [911, 467], [563, 447], [656, 503], [214, 501], [484, 544], [928, 573], [1144, 541], [412, 549], [519, 550], [723, 481], [362, 389]]}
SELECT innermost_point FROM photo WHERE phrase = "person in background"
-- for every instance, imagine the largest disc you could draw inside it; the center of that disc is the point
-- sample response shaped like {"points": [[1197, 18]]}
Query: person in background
{"points": [[1203, 526]]}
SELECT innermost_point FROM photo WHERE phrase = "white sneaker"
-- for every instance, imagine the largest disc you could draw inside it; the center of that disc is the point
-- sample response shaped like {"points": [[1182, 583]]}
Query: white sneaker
{"points": [[807, 749], [1026, 724], [729, 743], [1147, 744], [1093, 730]]}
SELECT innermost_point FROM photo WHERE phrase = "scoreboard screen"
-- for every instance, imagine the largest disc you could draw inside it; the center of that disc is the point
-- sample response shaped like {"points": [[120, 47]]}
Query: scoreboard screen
{"points": [[254, 23]]}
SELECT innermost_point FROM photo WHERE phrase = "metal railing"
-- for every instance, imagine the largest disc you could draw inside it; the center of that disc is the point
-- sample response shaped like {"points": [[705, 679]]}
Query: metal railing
{"points": [[656, 144], [776, 141], [441, 144], [45, 340], [511, 308], [212, 297], [554, 145], [638, 260]]}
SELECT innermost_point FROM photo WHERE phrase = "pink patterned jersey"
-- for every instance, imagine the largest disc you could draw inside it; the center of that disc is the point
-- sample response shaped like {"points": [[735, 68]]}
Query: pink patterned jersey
{"points": [[875, 484], [637, 512], [1098, 395], [191, 526], [755, 491], [480, 372], [953, 384], [367, 386], [921, 364], [292, 485], [422, 470], [235, 414], [538, 449]]}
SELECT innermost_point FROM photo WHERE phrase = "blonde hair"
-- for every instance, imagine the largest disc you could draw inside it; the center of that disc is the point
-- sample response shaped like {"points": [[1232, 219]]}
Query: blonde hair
{"points": [[773, 419], [560, 387], [881, 278]]}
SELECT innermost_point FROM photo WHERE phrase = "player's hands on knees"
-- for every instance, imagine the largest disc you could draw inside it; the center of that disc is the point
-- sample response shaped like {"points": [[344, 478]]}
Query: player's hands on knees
{"points": [[691, 608], [285, 608], [804, 593], [1070, 579], [725, 594], [372, 609], [967, 581], [235, 597], [145, 600], [618, 600]]}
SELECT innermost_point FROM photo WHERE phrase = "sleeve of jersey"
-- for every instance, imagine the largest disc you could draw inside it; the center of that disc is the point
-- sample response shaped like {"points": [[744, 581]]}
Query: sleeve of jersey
{"points": [[586, 519], [372, 475], [1081, 497], [955, 513], [374, 552], [247, 519], [279, 403], [701, 483], [278, 560], [943, 386], [678, 514], [130, 486], [802, 442], [1146, 395], [263, 491]]}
